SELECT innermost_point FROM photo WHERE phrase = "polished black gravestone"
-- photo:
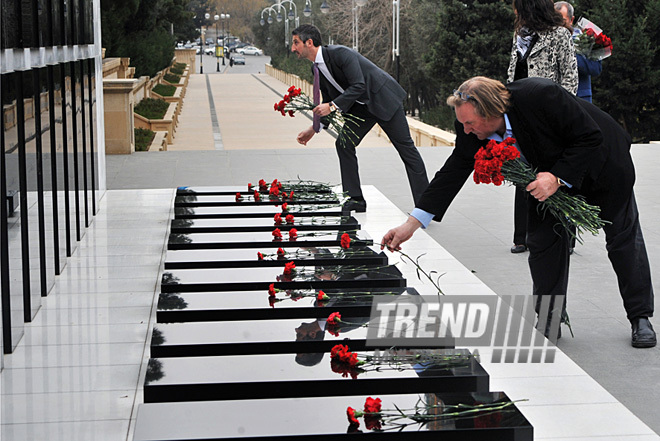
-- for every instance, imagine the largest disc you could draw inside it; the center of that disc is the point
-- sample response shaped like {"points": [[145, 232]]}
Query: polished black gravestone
{"points": [[328, 277], [319, 223], [259, 305], [324, 418], [265, 239], [296, 186], [276, 336], [306, 375], [232, 201], [247, 257], [257, 211]]}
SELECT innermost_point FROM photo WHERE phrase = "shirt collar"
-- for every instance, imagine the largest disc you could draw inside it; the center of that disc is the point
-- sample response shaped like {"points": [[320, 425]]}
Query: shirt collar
{"points": [[508, 132], [319, 56]]}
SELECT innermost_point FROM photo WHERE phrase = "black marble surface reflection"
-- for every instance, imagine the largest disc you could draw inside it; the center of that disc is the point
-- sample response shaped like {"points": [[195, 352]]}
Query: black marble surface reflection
{"points": [[264, 239], [229, 201], [179, 307], [252, 211], [231, 225], [323, 418], [304, 375], [232, 190], [248, 257], [327, 277]]}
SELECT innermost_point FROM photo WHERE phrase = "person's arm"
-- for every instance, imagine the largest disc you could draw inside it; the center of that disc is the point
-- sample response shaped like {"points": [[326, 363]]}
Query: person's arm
{"points": [[588, 67], [567, 63]]}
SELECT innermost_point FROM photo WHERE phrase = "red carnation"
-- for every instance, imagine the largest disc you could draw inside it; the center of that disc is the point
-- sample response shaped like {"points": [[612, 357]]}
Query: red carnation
{"points": [[345, 240], [262, 185], [271, 290], [250, 186], [289, 218], [277, 234], [334, 318], [289, 268], [321, 296], [280, 252], [260, 256], [291, 113], [285, 207], [274, 191], [372, 405], [293, 233], [291, 195], [353, 415], [257, 196], [239, 197], [278, 219]]}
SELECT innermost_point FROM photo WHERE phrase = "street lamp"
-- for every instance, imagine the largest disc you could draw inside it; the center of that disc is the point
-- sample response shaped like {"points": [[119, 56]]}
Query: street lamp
{"points": [[356, 30], [396, 21], [324, 7], [201, 46], [224, 35], [308, 9], [216, 17]]}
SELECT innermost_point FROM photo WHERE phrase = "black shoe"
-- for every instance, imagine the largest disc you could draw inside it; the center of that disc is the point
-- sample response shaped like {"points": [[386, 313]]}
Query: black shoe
{"points": [[643, 335], [517, 249], [359, 206]]}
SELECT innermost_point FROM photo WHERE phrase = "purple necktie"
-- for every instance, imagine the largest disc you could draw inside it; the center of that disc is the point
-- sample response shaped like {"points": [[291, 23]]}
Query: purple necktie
{"points": [[316, 124]]}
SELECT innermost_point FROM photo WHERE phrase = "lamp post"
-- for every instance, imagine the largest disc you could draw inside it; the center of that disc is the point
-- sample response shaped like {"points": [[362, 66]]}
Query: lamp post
{"points": [[216, 17], [201, 46], [356, 30], [291, 15], [224, 36], [396, 21], [308, 9]]}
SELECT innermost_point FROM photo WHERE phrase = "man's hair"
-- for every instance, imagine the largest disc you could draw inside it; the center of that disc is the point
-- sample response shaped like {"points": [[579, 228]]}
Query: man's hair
{"points": [[306, 32], [489, 97], [537, 15], [567, 5]]}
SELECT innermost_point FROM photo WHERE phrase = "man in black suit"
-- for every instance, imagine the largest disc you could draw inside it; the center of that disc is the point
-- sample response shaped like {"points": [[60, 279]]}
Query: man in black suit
{"points": [[351, 83], [572, 144]]}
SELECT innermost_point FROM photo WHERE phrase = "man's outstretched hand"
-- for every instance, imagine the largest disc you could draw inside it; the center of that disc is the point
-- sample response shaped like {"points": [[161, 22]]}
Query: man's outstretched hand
{"points": [[396, 236]]}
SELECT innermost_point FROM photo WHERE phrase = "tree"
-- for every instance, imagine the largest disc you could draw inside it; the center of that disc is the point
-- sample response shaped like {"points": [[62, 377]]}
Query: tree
{"points": [[629, 86]]}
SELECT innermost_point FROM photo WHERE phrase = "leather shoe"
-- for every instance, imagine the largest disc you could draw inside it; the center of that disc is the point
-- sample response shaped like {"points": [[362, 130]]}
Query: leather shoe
{"points": [[516, 249], [643, 335], [356, 205]]}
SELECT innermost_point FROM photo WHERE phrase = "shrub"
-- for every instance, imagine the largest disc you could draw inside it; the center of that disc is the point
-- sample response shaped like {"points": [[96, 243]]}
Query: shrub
{"points": [[176, 71], [152, 108], [181, 66], [164, 89], [143, 138], [171, 78]]}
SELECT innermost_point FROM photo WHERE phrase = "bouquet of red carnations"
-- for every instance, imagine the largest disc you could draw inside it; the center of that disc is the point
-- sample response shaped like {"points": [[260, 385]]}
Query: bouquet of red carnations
{"points": [[500, 161], [296, 100], [592, 42]]}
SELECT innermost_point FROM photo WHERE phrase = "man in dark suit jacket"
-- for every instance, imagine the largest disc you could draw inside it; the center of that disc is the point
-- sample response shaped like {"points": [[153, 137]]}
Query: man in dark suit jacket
{"points": [[351, 83], [571, 143]]}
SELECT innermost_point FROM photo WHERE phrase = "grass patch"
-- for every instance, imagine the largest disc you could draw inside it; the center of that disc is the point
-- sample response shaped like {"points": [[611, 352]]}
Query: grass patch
{"points": [[152, 108], [164, 89], [176, 71], [171, 78], [181, 66], [143, 138]]}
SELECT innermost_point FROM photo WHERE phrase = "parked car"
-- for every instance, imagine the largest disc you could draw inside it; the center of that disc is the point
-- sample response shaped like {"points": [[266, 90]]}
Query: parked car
{"points": [[209, 50], [249, 50], [238, 59]]}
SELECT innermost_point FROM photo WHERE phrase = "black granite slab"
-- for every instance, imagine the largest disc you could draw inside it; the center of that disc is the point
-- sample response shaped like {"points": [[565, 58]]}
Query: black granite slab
{"points": [[259, 305], [277, 336], [258, 211], [248, 257], [232, 190], [324, 418], [248, 199], [319, 223], [241, 377], [328, 277], [262, 239]]}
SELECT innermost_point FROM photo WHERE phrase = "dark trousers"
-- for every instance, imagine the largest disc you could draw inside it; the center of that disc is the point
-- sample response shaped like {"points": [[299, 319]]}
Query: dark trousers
{"points": [[520, 217], [398, 132], [548, 245]]}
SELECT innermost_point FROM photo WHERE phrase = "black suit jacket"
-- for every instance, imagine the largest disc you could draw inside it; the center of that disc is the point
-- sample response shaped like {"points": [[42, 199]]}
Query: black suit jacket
{"points": [[556, 132], [362, 81]]}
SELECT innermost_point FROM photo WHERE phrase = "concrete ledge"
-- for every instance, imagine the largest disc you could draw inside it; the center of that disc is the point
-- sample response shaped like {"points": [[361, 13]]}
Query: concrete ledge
{"points": [[159, 143]]}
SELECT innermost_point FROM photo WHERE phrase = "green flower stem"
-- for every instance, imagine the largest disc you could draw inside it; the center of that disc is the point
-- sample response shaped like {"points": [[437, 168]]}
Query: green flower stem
{"points": [[572, 211], [420, 270]]}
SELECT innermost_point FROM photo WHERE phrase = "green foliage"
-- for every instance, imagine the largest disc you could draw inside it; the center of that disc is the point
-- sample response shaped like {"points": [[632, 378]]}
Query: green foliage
{"points": [[176, 71], [151, 108], [143, 138], [164, 89], [171, 78], [140, 29], [291, 64], [629, 86], [181, 66]]}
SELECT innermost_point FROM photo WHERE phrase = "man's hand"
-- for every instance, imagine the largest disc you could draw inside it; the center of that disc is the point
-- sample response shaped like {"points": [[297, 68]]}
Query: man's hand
{"points": [[305, 135], [322, 109], [396, 236], [544, 186]]}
